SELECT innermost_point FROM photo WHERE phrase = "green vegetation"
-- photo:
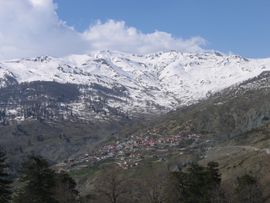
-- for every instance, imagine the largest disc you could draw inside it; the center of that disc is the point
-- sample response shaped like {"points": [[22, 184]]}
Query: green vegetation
{"points": [[40, 184], [36, 181], [5, 182], [195, 183]]}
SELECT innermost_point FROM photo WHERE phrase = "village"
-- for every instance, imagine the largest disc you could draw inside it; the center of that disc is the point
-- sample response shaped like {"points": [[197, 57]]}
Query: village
{"points": [[130, 152]]}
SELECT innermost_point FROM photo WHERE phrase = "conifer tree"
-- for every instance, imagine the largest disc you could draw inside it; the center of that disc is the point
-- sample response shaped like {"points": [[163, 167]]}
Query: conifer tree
{"points": [[197, 184], [36, 182], [65, 188], [5, 182], [214, 174]]}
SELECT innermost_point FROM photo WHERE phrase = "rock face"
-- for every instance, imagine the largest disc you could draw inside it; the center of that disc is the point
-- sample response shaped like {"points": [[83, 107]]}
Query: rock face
{"points": [[110, 85]]}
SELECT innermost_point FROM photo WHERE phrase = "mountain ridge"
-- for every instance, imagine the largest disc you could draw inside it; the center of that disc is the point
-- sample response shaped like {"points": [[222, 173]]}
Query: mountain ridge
{"points": [[132, 84]]}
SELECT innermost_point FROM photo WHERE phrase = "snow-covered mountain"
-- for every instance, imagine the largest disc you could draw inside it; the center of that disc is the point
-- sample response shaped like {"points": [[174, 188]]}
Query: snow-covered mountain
{"points": [[119, 84]]}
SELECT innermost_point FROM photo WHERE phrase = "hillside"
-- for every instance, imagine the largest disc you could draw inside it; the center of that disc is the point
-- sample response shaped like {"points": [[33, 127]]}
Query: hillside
{"points": [[230, 127]]}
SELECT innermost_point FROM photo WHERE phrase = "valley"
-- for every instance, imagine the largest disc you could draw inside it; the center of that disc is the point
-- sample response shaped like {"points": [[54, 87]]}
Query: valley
{"points": [[90, 112]]}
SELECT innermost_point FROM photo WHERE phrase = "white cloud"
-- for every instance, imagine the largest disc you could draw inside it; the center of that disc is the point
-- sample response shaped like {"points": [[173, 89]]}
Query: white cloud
{"points": [[32, 27], [118, 36]]}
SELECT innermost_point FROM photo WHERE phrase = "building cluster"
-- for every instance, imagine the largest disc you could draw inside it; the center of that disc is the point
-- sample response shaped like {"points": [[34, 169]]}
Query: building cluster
{"points": [[131, 151]]}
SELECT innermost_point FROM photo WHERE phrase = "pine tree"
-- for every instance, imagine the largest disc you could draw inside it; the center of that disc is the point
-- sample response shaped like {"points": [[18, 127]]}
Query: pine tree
{"points": [[65, 188], [198, 188], [197, 184], [216, 193], [214, 174], [36, 183], [5, 182]]}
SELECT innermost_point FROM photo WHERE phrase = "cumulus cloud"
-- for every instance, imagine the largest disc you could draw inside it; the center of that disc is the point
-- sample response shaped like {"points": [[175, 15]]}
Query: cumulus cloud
{"points": [[32, 27], [118, 36]]}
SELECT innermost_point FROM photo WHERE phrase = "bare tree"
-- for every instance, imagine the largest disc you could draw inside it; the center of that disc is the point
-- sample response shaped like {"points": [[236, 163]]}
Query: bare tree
{"points": [[112, 185], [154, 186], [248, 189]]}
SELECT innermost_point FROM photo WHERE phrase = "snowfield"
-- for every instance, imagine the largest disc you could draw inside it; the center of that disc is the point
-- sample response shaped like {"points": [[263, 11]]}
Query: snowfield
{"points": [[160, 81]]}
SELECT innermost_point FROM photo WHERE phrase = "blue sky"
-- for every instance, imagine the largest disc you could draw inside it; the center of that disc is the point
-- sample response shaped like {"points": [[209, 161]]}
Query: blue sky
{"points": [[238, 26], [62, 27]]}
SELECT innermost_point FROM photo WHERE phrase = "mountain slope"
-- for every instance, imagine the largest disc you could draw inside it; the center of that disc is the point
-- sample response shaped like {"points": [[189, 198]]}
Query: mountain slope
{"points": [[119, 85], [230, 127], [230, 112]]}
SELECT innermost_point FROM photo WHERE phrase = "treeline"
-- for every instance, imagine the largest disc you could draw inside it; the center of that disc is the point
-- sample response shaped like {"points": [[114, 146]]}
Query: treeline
{"points": [[38, 183], [194, 184]]}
